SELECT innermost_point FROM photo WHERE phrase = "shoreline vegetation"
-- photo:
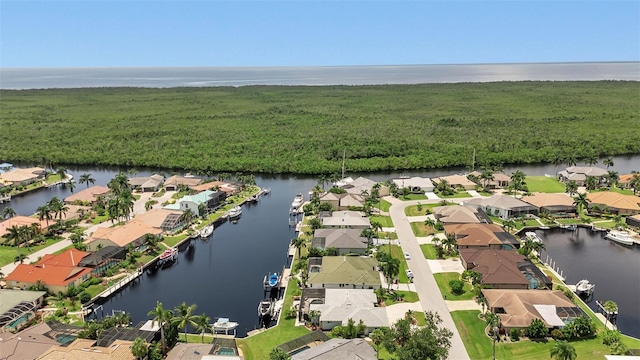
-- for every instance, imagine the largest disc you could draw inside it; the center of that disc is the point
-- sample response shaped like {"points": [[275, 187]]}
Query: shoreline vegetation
{"points": [[306, 129]]}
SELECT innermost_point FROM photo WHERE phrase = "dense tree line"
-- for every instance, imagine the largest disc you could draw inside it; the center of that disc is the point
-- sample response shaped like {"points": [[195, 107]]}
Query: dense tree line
{"points": [[297, 129]]}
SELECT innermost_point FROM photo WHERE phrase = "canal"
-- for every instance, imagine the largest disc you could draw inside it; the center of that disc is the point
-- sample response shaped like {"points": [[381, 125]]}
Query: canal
{"points": [[223, 275]]}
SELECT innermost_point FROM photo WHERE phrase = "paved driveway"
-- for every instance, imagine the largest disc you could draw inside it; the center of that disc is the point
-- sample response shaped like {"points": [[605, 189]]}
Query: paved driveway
{"points": [[426, 287]]}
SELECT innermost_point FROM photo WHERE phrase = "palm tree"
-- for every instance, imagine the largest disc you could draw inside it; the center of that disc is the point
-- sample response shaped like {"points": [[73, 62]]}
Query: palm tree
{"points": [[612, 178], [62, 172], [509, 224], [299, 243], [184, 317], [323, 180], [139, 348], [571, 187], [618, 220], [376, 226], [569, 160], [314, 317], [187, 217], [449, 242], [591, 159], [390, 269], [8, 212], [517, 181], [608, 162], [634, 182], [151, 241], [17, 234], [161, 316], [203, 324], [44, 213], [71, 185], [610, 307], [590, 182], [86, 179], [562, 350], [557, 160], [486, 176], [581, 202]]}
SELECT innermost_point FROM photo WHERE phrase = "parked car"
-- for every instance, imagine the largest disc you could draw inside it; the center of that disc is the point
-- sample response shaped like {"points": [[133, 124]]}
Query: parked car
{"points": [[409, 273], [407, 256]]}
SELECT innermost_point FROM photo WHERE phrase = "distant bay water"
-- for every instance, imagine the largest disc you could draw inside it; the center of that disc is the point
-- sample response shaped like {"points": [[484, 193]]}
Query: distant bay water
{"points": [[162, 77]]}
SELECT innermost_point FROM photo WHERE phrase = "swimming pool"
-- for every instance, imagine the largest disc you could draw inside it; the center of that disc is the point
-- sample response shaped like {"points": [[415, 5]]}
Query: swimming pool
{"points": [[226, 351], [17, 322]]}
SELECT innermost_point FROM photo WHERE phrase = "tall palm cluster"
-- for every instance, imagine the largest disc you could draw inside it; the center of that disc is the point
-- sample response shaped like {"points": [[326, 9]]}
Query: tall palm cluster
{"points": [[19, 235], [54, 209], [389, 265], [119, 203], [181, 317]]}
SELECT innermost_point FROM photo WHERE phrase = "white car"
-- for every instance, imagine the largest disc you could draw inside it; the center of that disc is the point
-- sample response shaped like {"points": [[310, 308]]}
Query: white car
{"points": [[407, 256], [409, 273]]}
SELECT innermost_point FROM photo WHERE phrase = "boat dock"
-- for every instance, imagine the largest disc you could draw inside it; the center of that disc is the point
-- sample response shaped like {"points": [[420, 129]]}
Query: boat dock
{"points": [[121, 283], [5, 199]]}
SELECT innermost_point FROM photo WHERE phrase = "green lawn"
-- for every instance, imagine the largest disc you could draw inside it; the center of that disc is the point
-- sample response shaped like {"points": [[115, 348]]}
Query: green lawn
{"points": [[9, 253], [544, 184], [443, 283], [479, 346], [615, 189], [409, 297], [173, 240], [385, 221], [100, 219], [384, 205], [391, 235], [259, 346], [413, 197], [94, 290], [460, 194], [414, 211], [569, 221], [195, 338], [396, 252], [429, 251], [421, 230]]}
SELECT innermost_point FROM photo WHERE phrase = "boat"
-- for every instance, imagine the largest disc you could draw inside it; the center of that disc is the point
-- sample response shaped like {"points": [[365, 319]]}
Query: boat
{"points": [[266, 191], [621, 237], [224, 326], [206, 231], [584, 287], [235, 212], [533, 236], [297, 201], [265, 308], [253, 198], [169, 255], [271, 281]]}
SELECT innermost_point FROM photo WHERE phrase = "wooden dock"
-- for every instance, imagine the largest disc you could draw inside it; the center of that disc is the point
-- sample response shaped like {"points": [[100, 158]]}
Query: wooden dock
{"points": [[121, 283], [5, 199]]}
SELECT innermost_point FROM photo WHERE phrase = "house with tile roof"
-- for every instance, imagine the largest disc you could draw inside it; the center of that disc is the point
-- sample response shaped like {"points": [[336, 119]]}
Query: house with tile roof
{"points": [[22, 176], [343, 349], [415, 184], [56, 272], [500, 180], [132, 232], [146, 183], [517, 308], [164, 219], [15, 303], [624, 180], [87, 196], [633, 221], [27, 344], [337, 306], [359, 185], [343, 201], [457, 181], [504, 269], [502, 206], [579, 174], [224, 186], [172, 183], [616, 202], [552, 203], [346, 241], [490, 236], [457, 214], [19, 221], [346, 219], [86, 349], [211, 199], [335, 272]]}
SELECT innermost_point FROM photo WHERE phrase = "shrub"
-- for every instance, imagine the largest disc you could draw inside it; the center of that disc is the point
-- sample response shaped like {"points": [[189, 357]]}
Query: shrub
{"points": [[514, 334], [537, 329], [610, 337], [457, 287], [584, 326], [85, 297], [557, 334]]}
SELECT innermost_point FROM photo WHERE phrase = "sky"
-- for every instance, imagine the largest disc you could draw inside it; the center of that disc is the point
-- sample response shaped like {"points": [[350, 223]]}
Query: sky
{"points": [[314, 33]]}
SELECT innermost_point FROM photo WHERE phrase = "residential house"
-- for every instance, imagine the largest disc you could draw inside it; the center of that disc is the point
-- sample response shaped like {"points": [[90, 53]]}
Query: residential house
{"points": [[4, 167], [552, 203], [346, 219], [147, 183], [344, 201], [103, 259], [27, 344], [168, 221], [346, 241], [344, 349], [457, 214], [504, 269], [579, 174], [16, 303], [337, 306], [624, 181], [488, 236], [85, 349], [87, 196], [132, 233], [415, 184], [500, 180], [633, 221], [517, 308], [22, 177], [334, 272], [359, 186], [226, 187], [616, 203], [457, 181], [502, 206], [174, 182], [210, 199], [56, 272], [19, 221]]}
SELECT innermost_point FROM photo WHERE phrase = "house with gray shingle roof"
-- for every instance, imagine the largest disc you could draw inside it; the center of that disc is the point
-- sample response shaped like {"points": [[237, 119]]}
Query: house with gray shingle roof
{"points": [[502, 206], [340, 305], [580, 173], [347, 241], [335, 272], [343, 349], [346, 219], [147, 183]]}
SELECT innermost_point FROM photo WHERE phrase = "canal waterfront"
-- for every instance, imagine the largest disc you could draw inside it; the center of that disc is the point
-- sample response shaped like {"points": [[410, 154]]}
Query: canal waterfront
{"points": [[223, 275], [613, 268]]}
